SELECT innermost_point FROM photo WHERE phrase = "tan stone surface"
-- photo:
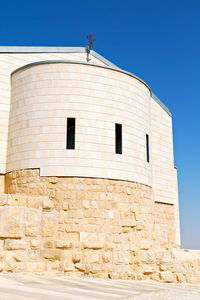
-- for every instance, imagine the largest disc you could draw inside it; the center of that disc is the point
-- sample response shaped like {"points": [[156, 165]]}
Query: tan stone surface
{"points": [[11, 220], [33, 135], [90, 227]]}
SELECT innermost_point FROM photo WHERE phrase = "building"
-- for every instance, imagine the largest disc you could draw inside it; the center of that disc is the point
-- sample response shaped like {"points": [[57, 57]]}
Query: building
{"points": [[88, 179]]}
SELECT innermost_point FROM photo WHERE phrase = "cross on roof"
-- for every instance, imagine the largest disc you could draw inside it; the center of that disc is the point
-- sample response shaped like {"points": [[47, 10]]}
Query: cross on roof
{"points": [[91, 40]]}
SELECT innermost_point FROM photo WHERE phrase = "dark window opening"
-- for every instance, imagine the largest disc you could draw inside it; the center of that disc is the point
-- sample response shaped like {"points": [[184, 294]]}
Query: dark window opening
{"points": [[118, 138], [70, 133], [147, 147]]}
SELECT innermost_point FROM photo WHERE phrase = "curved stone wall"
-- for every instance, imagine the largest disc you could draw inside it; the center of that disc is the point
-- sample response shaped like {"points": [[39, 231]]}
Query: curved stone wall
{"points": [[45, 95], [10, 60], [89, 211], [90, 227], [94, 227]]}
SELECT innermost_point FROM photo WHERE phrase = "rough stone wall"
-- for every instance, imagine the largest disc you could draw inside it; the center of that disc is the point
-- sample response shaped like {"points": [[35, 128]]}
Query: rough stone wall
{"points": [[89, 227]]}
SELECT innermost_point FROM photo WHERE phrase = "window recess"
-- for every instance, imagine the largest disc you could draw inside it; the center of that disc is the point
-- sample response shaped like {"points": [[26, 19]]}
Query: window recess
{"points": [[118, 138], [70, 144], [147, 147]]}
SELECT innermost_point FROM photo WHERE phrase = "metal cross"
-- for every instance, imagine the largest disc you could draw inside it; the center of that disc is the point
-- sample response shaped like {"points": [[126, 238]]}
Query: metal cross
{"points": [[91, 41]]}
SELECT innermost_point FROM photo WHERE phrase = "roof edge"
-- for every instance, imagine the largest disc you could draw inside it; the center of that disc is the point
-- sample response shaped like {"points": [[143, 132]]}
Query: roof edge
{"points": [[100, 66], [161, 104], [40, 49], [83, 63], [46, 49], [104, 60]]}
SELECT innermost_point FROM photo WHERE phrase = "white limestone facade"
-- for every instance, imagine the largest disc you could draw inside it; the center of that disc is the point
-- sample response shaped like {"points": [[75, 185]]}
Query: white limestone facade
{"points": [[12, 58], [41, 87]]}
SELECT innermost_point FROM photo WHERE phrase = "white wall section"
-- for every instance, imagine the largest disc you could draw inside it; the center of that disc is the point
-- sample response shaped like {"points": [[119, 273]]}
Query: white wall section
{"points": [[44, 95]]}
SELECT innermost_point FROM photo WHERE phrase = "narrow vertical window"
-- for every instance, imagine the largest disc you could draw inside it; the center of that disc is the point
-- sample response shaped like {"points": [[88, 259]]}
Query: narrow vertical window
{"points": [[118, 138], [147, 147], [70, 133]]}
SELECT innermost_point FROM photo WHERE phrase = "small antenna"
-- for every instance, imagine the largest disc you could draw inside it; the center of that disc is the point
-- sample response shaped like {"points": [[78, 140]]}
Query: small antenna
{"points": [[91, 40]]}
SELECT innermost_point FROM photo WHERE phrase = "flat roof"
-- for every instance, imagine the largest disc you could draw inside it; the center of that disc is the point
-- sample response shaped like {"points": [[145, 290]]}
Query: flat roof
{"points": [[18, 49]]}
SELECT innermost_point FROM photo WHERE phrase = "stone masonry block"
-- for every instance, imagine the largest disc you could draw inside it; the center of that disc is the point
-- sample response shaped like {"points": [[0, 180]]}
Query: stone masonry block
{"points": [[106, 256], [49, 224], [93, 245], [32, 222], [72, 228], [65, 205], [48, 244], [18, 200], [35, 244], [81, 267], [51, 254], [91, 256], [2, 183], [167, 276], [16, 245], [33, 202], [67, 256], [145, 243], [1, 245], [33, 267], [47, 203], [68, 267], [75, 213], [62, 244], [76, 256], [4, 199], [148, 269], [75, 204], [12, 222], [19, 256], [73, 236], [121, 257]]}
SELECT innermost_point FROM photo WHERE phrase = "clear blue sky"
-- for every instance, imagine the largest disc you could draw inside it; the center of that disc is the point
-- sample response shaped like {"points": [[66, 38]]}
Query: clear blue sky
{"points": [[157, 40]]}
